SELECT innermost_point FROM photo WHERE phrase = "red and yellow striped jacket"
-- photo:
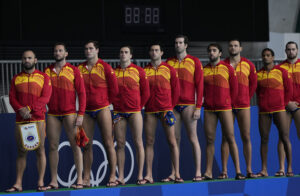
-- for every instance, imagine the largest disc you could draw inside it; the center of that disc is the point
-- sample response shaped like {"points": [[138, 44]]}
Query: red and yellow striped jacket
{"points": [[101, 85], [274, 89], [164, 88], [32, 91], [220, 87], [294, 71], [133, 89], [190, 74], [247, 82], [65, 85]]}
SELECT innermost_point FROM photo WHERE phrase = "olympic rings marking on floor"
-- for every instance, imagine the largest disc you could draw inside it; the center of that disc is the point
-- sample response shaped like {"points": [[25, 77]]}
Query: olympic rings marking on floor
{"points": [[132, 162], [101, 171]]}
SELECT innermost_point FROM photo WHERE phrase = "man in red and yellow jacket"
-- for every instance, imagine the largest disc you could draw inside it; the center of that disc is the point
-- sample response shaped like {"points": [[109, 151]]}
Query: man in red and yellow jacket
{"points": [[29, 93], [187, 110], [164, 94], [274, 91], [133, 95], [66, 82], [220, 93], [292, 65], [247, 82], [101, 87]]}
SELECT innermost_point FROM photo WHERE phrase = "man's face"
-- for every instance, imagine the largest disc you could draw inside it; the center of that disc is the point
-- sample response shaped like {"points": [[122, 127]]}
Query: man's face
{"points": [[214, 54], [180, 46], [125, 54], [267, 57], [28, 60], [155, 52], [90, 51], [234, 48], [291, 51], [60, 53]]}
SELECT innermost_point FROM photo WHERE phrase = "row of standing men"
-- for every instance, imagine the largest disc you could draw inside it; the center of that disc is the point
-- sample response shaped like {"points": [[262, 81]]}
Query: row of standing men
{"points": [[171, 91]]}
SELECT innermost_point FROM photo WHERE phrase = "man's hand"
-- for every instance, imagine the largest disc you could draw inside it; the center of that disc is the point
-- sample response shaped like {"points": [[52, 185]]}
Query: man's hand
{"points": [[196, 114], [79, 120], [25, 113], [292, 105]]}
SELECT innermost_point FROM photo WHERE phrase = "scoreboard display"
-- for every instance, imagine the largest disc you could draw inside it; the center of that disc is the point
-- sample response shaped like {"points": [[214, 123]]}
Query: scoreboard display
{"points": [[141, 15], [146, 20]]}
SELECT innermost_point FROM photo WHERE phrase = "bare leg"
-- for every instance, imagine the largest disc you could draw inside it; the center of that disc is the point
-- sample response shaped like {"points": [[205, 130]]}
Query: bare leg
{"points": [[53, 134], [191, 129], [170, 134], [228, 130], [41, 156], [20, 162], [264, 129], [120, 132], [280, 146], [243, 119], [178, 138], [105, 123], [71, 130], [89, 127], [225, 154], [281, 123], [296, 117], [210, 125], [136, 126], [150, 130]]}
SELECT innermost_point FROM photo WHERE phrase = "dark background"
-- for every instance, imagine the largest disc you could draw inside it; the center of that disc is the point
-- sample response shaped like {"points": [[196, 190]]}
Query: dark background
{"points": [[33, 23]]}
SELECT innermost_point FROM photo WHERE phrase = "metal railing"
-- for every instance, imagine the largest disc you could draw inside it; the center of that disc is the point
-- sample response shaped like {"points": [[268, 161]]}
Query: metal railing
{"points": [[9, 68]]}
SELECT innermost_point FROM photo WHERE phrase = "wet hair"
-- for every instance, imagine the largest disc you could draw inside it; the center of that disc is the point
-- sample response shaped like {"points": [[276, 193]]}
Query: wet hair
{"points": [[291, 42], [236, 39], [268, 49], [185, 38], [129, 47], [96, 43], [61, 44], [215, 45], [29, 50], [156, 44]]}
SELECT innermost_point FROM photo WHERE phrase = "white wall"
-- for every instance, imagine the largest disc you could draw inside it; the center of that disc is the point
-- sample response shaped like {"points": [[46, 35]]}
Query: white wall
{"points": [[283, 15], [282, 25], [278, 41]]}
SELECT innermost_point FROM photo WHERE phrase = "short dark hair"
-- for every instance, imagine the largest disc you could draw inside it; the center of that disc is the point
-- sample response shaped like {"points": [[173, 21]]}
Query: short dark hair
{"points": [[291, 42], [215, 45], [268, 49], [61, 44], [29, 50], [185, 38], [96, 43], [235, 39], [157, 44], [129, 47]]}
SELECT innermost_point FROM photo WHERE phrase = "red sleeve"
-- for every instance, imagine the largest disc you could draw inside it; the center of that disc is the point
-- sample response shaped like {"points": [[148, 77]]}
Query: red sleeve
{"points": [[79, 86], [41, 102], [257, 90], [198, 77], [252, 79], [144, 87], [13, 96], [174, 86], [112, 83], [233, 83], [288, 86]]}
